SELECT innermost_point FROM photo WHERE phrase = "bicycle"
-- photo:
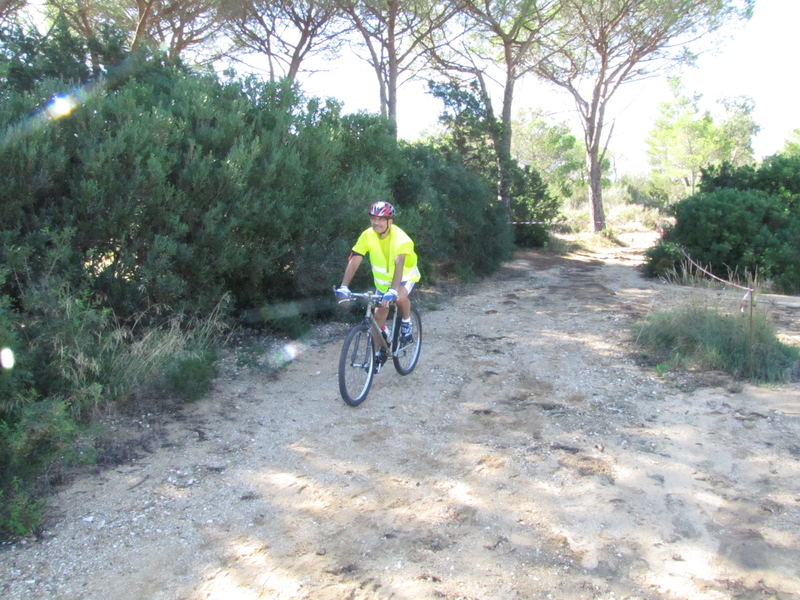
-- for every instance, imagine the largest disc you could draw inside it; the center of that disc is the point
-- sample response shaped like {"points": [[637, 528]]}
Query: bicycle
{"points": [[357, 362]]}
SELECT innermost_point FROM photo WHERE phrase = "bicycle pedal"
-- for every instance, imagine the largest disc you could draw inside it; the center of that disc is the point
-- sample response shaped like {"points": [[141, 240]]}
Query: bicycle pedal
{"points": [[380, 360]]}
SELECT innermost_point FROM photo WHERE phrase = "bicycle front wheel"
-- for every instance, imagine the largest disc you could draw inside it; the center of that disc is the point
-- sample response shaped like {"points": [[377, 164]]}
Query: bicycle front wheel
{"points": [[356, 365], [406, 355]]}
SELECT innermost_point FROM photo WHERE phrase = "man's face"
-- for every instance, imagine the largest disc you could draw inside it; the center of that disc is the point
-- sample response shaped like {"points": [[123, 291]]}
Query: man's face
{"points": [[380, 225]]}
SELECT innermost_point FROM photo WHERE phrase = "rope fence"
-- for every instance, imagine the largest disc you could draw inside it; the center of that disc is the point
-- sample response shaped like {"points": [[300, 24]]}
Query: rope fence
{"points": [[547, 222], [553, 223], [748, 291]]}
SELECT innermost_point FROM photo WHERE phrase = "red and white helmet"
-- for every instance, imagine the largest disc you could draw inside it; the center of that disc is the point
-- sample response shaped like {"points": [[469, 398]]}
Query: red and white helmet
{"points": [[382, 209]]}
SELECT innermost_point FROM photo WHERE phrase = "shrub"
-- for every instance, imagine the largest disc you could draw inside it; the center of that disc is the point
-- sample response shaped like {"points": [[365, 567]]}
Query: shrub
{"points": [[778, 175], [32, 438], [643, 191], [531, 202], [530, 235], [451, 213], [190, 377], [698, 337], [20, 509], [734, 231], [73, 361]]}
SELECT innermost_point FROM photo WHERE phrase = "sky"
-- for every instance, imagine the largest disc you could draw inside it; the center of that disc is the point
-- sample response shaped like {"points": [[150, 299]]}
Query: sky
{"points": [[757, 61]]}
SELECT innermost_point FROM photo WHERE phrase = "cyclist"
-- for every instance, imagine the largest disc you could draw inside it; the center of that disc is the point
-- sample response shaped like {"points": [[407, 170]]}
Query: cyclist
{"points": [[394, 266]]}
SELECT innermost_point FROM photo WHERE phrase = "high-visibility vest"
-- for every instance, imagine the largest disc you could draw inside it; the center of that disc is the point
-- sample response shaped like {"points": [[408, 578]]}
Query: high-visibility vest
{"points": [[383, 252]]}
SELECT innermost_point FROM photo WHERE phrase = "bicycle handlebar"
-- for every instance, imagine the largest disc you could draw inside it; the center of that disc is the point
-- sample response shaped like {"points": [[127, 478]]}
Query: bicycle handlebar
{"points": [[372, 297]]}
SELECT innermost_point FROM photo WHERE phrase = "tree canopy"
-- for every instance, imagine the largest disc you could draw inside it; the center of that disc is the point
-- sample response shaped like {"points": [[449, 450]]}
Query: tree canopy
{"points": [[392, 34], [285, 33], [186, 29], [493, 42], [687, 139], [604, 44], [553, 151], [791, 146]]}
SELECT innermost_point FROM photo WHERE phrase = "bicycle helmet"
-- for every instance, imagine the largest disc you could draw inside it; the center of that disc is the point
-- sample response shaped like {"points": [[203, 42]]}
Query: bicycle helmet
{"points": [[382, 209]]}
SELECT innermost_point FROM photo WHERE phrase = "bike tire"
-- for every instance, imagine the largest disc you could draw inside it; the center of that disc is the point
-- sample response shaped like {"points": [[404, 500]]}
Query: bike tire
{"points": [[405, 358], [356, 365]]}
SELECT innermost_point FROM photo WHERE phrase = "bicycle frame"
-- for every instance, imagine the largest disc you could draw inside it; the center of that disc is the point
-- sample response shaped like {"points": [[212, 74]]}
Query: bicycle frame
{"points": [[373, 302]]}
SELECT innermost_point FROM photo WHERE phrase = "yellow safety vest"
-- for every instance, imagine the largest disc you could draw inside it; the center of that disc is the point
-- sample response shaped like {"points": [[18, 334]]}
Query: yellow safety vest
{"points": [[383, 252]]}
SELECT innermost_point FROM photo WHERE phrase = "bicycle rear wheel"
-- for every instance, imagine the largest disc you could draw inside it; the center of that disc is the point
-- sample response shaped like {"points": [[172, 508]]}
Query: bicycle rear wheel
{"points": [[405, 356], [356, 365]]}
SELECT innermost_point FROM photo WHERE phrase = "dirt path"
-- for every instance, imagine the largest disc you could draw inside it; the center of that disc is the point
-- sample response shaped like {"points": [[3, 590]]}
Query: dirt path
{"points": [[527, 457]]}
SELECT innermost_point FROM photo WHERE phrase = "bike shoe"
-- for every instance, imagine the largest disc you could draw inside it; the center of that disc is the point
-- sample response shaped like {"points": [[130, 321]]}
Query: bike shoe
{"points": [[380, 360], [405, 333]]}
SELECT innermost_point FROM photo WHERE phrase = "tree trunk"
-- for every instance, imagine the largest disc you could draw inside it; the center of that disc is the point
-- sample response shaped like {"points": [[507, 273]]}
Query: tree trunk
{"points": [[391, 84], [145, 7], [504, 145], [596, 212], [88, 32], [501, 141], [593, 117]]}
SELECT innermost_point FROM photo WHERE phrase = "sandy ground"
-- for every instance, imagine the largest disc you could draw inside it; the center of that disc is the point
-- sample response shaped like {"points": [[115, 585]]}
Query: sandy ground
{"points": [[530, 455]]}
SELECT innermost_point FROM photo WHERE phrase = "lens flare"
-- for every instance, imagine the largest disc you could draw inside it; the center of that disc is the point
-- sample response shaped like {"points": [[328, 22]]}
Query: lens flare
{"points": [[6, 358], [64, 104], [61, 106], [291, 351]]}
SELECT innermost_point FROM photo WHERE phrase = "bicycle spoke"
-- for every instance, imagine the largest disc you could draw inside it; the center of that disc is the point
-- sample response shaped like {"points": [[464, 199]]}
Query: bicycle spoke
{"points": [[356, 365], [406, 356]]}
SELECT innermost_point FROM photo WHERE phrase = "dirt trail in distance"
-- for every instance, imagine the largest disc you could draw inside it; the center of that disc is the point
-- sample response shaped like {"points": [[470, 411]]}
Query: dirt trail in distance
{"points": [[529, 456]]}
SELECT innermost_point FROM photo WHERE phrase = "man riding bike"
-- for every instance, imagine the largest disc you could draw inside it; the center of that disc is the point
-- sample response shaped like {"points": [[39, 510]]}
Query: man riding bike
{"points": [[394, 266]]}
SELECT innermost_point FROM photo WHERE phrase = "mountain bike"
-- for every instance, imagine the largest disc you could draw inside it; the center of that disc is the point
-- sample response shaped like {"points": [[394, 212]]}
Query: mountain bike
{"points": [[358, 363]]}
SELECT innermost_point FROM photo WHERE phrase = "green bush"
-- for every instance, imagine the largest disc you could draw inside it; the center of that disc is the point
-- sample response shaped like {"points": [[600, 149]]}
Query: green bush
{"points": [[21, 509], [72, 361], [778, 175], [744, 219], [531, 202], [445, 208], [33, 438], [734, 232], [190, 377], [172, 189], [701, 338], [294, 326], [15, 382], [530, 236], [643, 191]]}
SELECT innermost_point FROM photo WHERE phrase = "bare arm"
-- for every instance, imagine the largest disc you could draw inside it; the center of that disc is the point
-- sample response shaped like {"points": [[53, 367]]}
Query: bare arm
{"points": [[352, 267], [399, 262]]}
